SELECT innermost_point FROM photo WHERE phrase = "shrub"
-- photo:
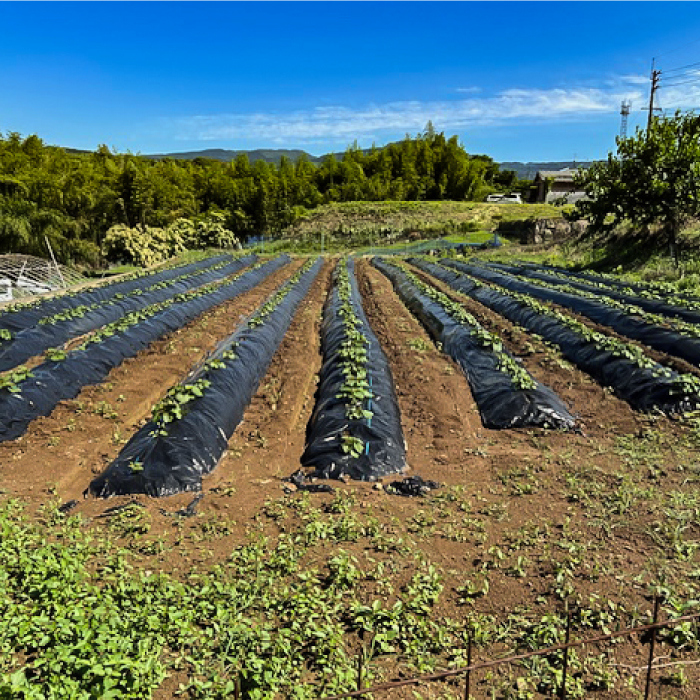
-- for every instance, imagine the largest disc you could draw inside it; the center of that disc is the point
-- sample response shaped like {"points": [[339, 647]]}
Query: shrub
{"points": [[147, 245], [142, 245], [212, 233]]}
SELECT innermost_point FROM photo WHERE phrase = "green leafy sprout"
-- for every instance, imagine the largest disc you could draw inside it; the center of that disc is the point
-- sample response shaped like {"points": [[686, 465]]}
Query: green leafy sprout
{"points": [[519, 376]]}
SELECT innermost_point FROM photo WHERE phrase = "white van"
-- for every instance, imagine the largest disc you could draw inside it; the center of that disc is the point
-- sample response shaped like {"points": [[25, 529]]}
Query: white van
{"points": [[511, 197]]}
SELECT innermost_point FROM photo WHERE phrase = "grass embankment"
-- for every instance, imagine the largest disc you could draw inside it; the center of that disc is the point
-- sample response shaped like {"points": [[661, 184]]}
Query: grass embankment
{"points": [[634, 255], [189, 256], [395, 225]]}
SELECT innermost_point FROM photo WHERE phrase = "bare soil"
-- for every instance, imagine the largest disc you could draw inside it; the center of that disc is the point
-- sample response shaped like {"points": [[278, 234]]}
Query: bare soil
{"points": [[62, 452], [515, 507]]}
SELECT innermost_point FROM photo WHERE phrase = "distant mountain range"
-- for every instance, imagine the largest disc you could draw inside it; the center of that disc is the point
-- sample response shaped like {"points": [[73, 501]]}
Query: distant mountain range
{"points": [[269, 155], [525, 171]]}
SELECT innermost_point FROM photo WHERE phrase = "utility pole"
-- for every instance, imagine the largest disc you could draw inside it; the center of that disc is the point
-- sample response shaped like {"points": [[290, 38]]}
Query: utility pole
{"points": [[655, 75]]}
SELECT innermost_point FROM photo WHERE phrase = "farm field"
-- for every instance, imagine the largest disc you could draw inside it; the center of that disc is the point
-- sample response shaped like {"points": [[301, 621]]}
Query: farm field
{"points": [[556, 495]]}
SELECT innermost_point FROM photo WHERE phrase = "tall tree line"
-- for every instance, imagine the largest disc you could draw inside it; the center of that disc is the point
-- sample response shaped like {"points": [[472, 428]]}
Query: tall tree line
{"points": [[73, 199]]}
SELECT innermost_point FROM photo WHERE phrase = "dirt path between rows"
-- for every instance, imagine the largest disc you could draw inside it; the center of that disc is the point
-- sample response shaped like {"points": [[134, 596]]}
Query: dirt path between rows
{"points": [[584, 397], [439, 417], [268, 444], [61, 453]]}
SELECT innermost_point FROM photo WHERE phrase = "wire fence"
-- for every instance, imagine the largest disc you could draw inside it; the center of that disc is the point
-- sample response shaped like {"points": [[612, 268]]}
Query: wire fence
{"points": [[563, 649]]}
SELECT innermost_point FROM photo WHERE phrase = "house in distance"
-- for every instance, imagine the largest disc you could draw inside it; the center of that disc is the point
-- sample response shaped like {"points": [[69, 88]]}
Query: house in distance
{"points": [[556, 186]]}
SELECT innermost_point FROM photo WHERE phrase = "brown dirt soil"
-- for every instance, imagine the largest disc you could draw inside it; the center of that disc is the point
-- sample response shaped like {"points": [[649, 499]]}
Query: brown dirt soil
{"points": [[62, 452], [268, 444], [493, 460], [676, 363], [581, 392], [516, 506], [438, 414]]}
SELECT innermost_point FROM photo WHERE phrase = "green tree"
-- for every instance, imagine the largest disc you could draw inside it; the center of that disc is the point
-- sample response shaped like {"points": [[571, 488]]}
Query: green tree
{"points": [[654, 179], [84, 203]]}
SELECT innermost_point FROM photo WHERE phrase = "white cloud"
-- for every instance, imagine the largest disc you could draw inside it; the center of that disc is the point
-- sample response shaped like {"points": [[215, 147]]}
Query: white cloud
{"points": [[634, 79], [680, 93], [324, 123], [469, 90]]}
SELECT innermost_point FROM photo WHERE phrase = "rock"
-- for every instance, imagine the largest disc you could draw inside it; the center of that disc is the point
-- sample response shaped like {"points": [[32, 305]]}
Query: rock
{"points": [[543, 231]]}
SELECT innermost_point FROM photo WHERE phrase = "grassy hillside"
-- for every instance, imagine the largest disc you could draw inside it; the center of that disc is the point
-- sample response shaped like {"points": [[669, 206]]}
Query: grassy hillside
{"points": [[358, 224], [627, 251]]}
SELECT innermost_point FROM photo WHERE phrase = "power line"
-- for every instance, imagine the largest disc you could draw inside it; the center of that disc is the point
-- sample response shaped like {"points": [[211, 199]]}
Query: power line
{"points": [[684, 74], [678, 48], [695, 72], [682, 82], [690, 65]]}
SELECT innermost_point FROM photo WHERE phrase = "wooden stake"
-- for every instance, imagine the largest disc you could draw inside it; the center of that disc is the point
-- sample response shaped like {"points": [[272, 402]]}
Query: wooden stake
{"points": [[469, 663], [652, 643], [565, 665]]}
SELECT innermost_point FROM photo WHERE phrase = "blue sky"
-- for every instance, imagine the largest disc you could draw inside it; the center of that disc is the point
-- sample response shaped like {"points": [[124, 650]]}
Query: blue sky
{"points": [[517, 80]]}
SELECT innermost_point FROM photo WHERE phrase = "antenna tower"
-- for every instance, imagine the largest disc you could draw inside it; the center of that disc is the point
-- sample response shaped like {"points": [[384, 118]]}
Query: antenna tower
{"points": [[625, 113]]}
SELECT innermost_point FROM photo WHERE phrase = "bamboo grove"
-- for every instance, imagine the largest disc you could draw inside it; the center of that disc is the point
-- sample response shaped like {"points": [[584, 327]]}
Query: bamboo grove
{"points": [[74, 198]]}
